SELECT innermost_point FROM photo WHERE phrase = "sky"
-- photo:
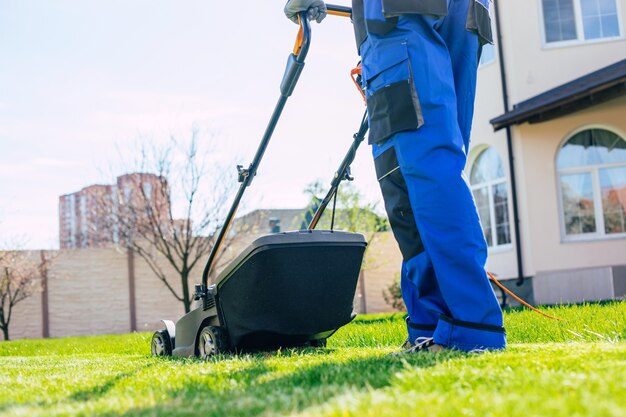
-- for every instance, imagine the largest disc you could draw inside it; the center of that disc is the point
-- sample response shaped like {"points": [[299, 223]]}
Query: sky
{"points": [[83, 81]]}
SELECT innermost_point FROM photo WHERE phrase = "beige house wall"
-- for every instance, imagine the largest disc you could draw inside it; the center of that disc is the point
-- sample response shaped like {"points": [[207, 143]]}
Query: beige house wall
{"points": [[501, 261], [540, 145], [532, 67]]}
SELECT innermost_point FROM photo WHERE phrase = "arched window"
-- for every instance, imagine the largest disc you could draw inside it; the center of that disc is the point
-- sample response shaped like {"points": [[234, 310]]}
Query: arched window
{"points": [[591, 168], [488, 184]]}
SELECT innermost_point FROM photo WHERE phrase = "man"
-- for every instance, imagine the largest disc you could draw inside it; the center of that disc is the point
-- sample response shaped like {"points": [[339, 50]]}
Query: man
{"points": [[419, 61]]}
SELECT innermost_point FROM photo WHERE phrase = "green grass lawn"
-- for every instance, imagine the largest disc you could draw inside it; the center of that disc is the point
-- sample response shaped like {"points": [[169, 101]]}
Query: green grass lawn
{"points": [[574, 368]]}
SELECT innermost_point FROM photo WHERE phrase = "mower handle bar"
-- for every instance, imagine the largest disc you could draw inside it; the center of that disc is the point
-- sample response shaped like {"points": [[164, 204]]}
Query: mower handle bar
{"points": [[295, 64], [303, 39], [337, 10]]}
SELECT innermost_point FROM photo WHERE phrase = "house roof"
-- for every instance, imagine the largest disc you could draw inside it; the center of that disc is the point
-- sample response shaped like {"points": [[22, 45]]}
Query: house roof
{"points": [[289, 219], [589, 90]]}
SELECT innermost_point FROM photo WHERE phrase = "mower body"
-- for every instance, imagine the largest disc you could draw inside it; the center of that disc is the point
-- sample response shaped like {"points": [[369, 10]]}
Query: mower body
{"points": [[284, 290]]}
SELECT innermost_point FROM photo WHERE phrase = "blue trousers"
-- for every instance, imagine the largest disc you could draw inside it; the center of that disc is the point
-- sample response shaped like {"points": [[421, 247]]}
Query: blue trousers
{"points": [[420, 82]]}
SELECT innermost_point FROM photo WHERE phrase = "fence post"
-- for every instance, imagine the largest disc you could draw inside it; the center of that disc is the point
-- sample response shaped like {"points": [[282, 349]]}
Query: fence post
{"points": [[130, 254], [45, 309]]}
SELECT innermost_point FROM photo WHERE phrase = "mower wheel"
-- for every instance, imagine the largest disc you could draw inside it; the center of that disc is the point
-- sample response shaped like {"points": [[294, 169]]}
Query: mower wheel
{"points": [[161, 344], [211, 342]]}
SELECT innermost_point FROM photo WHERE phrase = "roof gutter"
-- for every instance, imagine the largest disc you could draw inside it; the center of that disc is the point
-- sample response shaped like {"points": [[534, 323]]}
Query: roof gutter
{"points": [[561, 106], [509, 142]]}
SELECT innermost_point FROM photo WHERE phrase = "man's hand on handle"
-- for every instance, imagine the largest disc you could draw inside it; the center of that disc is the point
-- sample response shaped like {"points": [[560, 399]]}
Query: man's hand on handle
{"points": [[316, 9]]}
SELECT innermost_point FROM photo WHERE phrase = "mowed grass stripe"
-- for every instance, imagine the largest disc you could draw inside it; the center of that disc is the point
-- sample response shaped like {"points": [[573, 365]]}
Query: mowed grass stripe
{"points": [[527, 380], [547, 364]]}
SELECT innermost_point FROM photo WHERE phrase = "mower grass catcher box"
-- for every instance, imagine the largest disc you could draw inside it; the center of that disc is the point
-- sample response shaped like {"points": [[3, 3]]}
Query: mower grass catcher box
{"points": [[290, 289]]}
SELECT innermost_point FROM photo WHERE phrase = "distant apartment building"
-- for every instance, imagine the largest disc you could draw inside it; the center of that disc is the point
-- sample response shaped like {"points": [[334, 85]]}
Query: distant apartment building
{"points": [[547, 164], [90, 218]]}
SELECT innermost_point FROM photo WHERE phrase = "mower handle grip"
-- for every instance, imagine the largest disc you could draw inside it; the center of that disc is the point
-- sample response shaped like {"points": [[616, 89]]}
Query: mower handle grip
{"points": [[303, 39], [295, 63]]}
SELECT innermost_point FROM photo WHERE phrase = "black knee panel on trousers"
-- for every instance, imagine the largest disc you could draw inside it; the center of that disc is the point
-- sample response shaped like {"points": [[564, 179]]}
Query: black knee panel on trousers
{"points": [[397, 204]]}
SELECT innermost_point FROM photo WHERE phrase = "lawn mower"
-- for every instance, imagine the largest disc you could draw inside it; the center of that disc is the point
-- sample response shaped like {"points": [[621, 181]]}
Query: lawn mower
{"points": [[290, 289]]}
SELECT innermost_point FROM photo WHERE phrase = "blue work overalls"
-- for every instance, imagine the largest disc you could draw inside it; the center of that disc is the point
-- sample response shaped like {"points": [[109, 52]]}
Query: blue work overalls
{"points": [[419, 61]]}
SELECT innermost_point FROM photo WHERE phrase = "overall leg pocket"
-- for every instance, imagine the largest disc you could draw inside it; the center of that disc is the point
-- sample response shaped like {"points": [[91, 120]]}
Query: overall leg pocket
{"points": [[392, 101]]}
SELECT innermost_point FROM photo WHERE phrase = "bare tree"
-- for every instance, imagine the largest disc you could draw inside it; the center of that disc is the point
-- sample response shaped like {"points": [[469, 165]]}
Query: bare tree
{"points": [[168, 209], [20, 278]]}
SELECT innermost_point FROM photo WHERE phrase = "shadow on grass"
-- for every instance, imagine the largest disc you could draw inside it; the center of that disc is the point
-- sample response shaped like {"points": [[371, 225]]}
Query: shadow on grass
{"points": [[87, 394], [257, 388], [100, 390], [260, 392]]}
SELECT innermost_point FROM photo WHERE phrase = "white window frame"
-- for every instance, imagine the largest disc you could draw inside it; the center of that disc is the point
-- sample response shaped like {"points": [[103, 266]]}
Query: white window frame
{"points": [[493, 248], [580, 31], [492, 211], [598, 209]]}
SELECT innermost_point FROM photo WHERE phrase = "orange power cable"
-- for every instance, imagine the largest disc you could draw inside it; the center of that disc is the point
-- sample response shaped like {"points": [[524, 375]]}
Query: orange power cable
{"points": [[506, 290], [354, 73]]}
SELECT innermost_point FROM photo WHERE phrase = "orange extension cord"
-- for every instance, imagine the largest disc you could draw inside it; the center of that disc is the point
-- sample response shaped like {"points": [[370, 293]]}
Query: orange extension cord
{"points": [[506, 290]]}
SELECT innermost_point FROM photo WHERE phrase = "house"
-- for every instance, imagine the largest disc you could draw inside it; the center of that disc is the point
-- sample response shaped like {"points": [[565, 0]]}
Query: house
{"points": [[547, 165]]}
